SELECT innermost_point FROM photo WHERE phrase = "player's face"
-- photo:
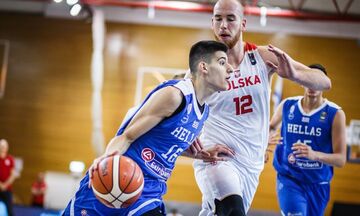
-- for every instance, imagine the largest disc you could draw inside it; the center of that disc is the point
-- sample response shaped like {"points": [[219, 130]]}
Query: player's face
{"points": [[219, 71], [227, 23]]}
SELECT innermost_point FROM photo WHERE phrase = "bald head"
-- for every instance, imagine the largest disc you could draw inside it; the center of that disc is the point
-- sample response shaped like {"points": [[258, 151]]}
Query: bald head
{"points": [[4, 147], [229, 6]]}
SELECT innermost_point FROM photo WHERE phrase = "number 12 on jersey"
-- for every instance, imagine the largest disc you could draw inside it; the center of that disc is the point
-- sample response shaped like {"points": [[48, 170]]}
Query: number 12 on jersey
{"points": [[243, 104]]}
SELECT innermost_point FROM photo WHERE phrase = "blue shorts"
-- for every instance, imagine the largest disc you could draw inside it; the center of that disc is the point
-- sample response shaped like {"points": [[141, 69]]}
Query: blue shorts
{"points": [[86, 204], [300, 199]]}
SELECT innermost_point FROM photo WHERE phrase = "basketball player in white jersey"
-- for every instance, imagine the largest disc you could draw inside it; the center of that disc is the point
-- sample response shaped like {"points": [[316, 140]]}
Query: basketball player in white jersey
{"points": [[239, 117]]}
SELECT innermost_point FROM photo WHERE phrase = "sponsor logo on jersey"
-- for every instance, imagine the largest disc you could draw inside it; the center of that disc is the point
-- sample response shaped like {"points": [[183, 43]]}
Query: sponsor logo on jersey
{"points": [[195, 124], [252, 58], [291, 158], [244, 82], [183, 134], [237, 73], [83, 212], [185, 119], [159, 169], [323, 116], [291, 112], [308, 164], [304, 130], [305, 119], [147, 154]]}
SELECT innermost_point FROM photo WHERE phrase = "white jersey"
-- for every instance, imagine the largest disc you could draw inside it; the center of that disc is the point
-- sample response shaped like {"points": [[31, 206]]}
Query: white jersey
{"points": [[239, 117]]}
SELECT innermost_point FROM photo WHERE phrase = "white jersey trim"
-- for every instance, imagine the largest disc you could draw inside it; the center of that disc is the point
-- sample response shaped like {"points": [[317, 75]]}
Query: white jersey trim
{"points": [[312, 112], [186, 87], [332, 104], [132, 212], [72, 207]]}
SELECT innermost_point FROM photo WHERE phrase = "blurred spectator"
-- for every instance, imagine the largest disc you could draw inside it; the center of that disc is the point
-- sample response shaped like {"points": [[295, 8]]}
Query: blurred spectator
{"points": [[38, 189], [174, 212], [7, 176]]}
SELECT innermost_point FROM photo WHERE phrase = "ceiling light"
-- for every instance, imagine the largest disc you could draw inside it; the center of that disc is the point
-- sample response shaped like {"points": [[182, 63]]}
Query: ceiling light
{"points": [[75, 10], [76, 167], [263, 12], [72, 2]]}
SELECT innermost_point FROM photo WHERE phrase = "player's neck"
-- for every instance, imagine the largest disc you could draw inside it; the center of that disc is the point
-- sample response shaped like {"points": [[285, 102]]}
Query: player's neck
{"points": [[201, 91], [236, 54], [311, 103]]}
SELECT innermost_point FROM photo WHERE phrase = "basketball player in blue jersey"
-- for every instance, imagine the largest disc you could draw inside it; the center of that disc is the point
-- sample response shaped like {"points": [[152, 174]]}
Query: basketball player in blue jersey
{"points": [[165, 125], [313, 141], [239, 117]]}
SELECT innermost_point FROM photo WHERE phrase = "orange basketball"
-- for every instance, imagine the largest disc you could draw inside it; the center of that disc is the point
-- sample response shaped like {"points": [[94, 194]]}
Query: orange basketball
{"points": [[118, 181]]}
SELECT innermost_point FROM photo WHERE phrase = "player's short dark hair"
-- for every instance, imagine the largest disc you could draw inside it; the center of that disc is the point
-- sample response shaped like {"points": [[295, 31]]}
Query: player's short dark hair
{"points": [[318, 66], [203, 51]]}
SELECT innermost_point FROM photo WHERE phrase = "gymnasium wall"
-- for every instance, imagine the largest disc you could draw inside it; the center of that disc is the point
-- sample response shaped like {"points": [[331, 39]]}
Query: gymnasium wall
{"points": [[45, 113]]}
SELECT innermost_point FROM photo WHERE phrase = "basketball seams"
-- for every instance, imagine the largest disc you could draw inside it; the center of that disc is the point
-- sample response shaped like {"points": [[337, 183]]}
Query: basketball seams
{"points": [[123, 173], [116, 172], [103, 184], [133, 174]]}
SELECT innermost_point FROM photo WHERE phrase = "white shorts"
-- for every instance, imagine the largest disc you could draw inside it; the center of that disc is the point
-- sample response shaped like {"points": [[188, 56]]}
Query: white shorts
{"points": [[221, 180]]}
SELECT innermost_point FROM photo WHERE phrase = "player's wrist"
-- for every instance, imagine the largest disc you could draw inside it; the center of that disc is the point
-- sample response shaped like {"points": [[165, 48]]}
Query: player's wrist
{"points": [[197, 156], [295, 77], [317, 156]]}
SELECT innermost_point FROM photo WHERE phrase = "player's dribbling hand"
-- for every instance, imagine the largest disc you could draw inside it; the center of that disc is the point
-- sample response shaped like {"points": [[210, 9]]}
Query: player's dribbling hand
{"points": [[219, 152], [95, 165], [303, 150]]}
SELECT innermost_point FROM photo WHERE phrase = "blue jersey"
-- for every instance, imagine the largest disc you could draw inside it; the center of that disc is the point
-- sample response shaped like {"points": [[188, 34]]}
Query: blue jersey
{"points": [[157, 150], [313, 129]]}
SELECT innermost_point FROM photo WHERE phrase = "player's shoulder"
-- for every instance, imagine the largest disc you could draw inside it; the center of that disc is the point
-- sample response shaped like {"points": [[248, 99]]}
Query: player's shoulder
{"points": [[265, 54], [170, 94], [333, 105], [248, 47], [185, 86]]}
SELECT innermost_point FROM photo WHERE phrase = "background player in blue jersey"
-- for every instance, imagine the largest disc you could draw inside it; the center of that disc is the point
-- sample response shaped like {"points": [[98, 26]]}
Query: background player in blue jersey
{"points": [[313, 141], [166, 123]]}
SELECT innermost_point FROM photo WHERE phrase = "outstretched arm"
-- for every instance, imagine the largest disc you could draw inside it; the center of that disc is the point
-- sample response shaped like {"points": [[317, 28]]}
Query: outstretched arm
{"points": [[218, 152], [286, 67], [338, 157]]}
